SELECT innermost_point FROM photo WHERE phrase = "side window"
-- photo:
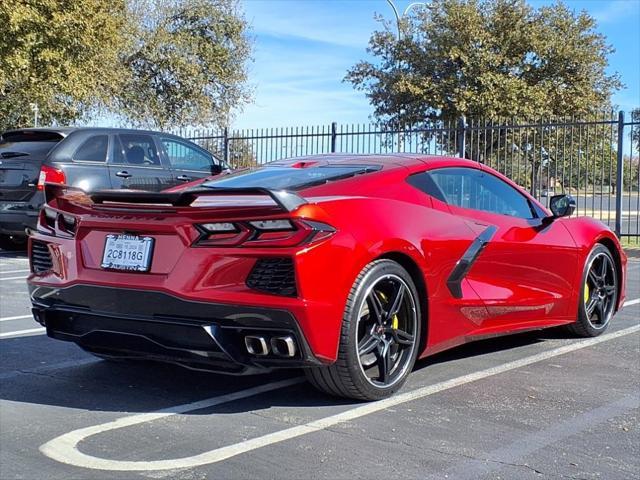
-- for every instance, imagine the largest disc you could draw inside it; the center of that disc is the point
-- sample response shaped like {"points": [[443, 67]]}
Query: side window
{"points": [[478, 190], [93, 149], [135, 149], [423, 181], [183, 156]]}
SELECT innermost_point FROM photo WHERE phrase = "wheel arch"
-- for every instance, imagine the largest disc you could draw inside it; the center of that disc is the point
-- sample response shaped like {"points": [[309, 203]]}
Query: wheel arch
{"points": [[613, 250], [415, 272]]}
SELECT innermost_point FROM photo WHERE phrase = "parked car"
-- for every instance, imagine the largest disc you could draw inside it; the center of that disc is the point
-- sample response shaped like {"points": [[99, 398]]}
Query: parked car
{"points": [[90, 159], [349, 266], [22, 154]]}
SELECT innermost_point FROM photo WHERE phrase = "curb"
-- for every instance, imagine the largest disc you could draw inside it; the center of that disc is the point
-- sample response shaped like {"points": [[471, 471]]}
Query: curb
{"points": [[633, 252]]}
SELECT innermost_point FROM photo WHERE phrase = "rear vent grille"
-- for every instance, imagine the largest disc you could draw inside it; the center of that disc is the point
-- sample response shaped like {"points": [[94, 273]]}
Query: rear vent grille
{"points": [[273, 275], [40, 257]]}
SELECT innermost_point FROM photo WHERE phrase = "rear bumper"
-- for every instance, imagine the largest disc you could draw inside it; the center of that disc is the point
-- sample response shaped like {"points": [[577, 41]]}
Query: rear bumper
{"points": [[16, 216], [17, 221], [154, 325]]}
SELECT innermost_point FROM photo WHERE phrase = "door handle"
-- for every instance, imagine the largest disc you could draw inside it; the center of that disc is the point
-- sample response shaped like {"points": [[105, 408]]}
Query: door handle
{"points": [[123, 174], [184, 178]]}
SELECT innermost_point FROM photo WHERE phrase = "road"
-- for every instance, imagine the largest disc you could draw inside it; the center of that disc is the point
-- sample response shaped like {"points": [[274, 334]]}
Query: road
{"points": [[531, 406]]}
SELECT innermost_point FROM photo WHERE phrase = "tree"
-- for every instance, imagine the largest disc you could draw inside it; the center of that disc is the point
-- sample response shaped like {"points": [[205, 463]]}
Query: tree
{"points": [[635, 129], [62, 56], [497, 62], [154, 63], [486, 59], [187, 65]]}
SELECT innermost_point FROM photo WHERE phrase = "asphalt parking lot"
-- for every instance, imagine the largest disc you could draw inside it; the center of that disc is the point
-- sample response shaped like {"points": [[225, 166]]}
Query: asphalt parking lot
{"points": [[535, 405]]}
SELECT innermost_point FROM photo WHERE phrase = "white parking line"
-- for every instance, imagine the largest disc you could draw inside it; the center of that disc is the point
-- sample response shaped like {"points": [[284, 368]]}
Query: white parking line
{"points": [[631, 302], [19, 317], [13, 271], [17, 333], [64, 448], [14, 278]]}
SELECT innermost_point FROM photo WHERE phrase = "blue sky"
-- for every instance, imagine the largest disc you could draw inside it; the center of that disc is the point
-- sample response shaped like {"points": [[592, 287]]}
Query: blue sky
{"points": [[304, 47]]}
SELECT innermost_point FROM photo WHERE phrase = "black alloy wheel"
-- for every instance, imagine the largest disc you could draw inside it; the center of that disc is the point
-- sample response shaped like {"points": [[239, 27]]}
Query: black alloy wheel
{"points": [[387, 326], [598, 294], [380, 336]]}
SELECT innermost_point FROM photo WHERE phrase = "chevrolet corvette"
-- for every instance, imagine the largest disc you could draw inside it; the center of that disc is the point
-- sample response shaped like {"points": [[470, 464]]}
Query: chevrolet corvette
{"points": [[350, 267]]}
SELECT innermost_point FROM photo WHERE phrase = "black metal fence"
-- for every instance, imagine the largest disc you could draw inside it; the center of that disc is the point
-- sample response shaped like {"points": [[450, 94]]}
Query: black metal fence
{"points": [[595, 159]]}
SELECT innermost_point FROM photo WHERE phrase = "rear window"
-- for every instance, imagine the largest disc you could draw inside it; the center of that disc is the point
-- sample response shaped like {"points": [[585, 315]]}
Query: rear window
{"points": [[11, 149], [280, 178]]}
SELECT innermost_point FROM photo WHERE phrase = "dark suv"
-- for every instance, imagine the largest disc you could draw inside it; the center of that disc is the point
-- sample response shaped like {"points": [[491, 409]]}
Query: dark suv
{"points": [[91, 159]]}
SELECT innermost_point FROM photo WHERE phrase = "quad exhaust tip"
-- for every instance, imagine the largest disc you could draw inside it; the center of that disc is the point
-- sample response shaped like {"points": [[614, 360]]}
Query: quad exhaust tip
{"points": [[283, 346], [258, 345]]}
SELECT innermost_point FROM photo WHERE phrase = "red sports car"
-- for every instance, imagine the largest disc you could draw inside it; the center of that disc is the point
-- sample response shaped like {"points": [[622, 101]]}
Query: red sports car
{"points": [[348, 266]]}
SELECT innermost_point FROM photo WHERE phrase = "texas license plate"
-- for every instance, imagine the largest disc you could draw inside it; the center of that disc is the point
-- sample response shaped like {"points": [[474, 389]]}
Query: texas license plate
{"points": [[127, 252]]}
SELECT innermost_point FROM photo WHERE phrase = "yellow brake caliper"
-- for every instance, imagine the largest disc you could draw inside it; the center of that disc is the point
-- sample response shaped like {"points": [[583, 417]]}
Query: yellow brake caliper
{"points": [[586, 292], [394, 323]]}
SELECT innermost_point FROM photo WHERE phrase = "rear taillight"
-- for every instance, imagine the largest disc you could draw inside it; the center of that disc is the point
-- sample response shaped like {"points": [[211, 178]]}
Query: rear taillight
{"points": [[263, 233], [50, 175]]}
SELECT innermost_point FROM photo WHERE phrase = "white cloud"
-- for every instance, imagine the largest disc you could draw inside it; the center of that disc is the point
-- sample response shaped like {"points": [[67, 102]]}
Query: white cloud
{"points": [[615, 10], [343, 23]]}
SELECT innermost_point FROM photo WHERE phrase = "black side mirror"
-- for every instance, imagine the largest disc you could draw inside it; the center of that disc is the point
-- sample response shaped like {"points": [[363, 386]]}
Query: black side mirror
{"points": [[216, 169], [562, 205]]}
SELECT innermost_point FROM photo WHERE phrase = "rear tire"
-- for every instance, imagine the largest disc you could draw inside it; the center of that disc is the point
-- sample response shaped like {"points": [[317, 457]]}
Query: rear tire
{"points": [[379, 338], [598, 294]]}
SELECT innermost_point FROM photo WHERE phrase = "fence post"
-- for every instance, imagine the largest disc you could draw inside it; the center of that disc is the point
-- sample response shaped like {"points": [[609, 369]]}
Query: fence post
{"points": [[619, 174], [334, 135], [225, 144], [462, 136]]}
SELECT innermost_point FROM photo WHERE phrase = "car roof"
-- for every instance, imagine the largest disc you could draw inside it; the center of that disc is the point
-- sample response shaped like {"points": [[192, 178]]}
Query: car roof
{"points": [[414, 162], [346, 159], [64, 131], [121, 130]]}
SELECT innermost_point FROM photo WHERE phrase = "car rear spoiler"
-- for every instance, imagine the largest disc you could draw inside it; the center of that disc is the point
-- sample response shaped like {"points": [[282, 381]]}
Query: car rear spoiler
{"points": [[286, 200]]}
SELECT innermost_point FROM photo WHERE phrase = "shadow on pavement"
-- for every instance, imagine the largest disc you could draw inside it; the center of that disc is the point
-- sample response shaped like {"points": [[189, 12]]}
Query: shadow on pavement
{"points": [[138, 386], [19, 251]]}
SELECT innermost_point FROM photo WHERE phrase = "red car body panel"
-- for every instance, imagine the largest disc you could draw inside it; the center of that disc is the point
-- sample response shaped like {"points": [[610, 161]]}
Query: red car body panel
{"points": [[528, 276]]}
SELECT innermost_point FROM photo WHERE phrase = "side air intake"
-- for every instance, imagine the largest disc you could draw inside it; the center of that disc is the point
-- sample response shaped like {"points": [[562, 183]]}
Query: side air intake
{"points": [[40, 257]]}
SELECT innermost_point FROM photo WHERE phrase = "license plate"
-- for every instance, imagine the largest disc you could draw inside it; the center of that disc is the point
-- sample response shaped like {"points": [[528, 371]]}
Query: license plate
{"points": [[127, 252]]}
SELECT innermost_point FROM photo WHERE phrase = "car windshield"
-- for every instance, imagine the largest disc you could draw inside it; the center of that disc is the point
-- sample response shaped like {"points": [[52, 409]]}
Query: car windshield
{"points": [[288, 178]]}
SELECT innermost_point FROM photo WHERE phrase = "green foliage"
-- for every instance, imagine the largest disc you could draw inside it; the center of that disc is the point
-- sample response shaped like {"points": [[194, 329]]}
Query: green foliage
{"points": [[153, 63], [504, 61], [635, 129], [486, 59], [187, 65], [61, 55]]}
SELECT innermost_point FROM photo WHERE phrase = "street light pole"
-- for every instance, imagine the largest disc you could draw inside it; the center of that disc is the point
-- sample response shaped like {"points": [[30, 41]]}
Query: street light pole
{"points": [[34, 109], [398, 20], [404, 14]]}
